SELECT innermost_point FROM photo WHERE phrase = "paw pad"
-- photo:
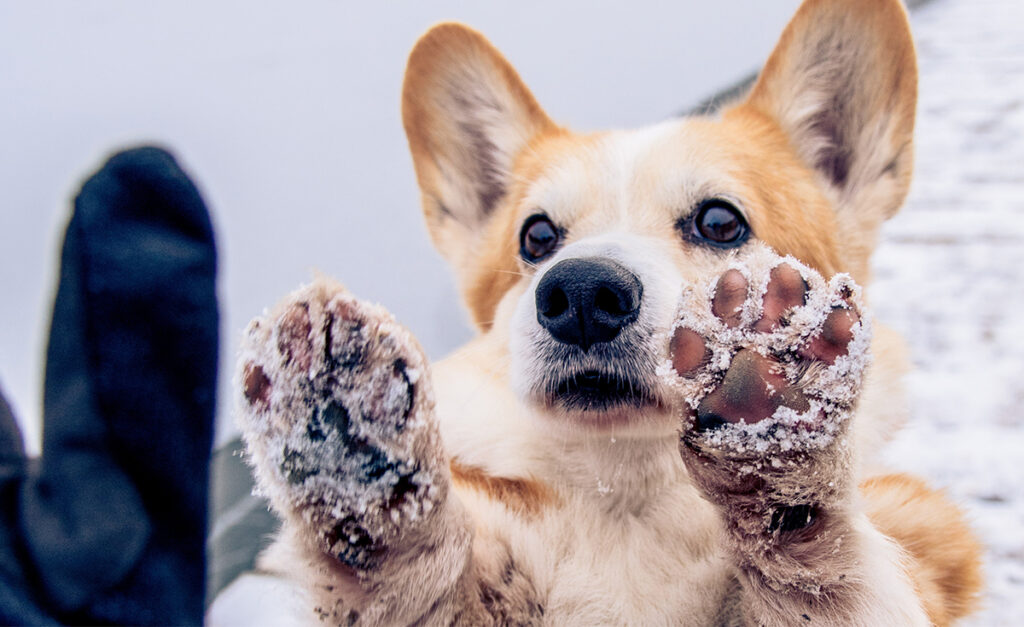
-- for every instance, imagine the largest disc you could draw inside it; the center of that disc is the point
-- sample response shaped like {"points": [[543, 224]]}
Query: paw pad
{"points": [[351, 543], [294, 339], [255, 385], [337, 419], [768, 355]]}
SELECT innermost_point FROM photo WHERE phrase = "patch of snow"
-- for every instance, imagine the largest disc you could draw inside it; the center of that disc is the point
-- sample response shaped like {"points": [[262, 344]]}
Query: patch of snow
{"points": [[949, 275], [257, 600]]}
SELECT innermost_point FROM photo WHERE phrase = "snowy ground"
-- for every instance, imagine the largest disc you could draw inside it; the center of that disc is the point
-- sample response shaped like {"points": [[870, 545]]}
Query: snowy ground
{"points": [[950, 277]]}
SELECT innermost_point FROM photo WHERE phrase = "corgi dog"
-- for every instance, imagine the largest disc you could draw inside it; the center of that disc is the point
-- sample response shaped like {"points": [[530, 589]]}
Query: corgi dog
{"points": [[671, 411]]}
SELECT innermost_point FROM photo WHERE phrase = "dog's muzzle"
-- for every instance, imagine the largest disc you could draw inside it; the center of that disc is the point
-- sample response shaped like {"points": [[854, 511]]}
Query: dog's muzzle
{"points": [[587, 301]]}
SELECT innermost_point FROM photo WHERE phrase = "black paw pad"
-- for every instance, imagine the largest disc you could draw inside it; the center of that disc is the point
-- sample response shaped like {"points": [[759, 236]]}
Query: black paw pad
{"points": [[793, 517], [346, 336], [709, 421], [295, 468], [375, 463], [401, 371], [331, 417], [352, 544]]}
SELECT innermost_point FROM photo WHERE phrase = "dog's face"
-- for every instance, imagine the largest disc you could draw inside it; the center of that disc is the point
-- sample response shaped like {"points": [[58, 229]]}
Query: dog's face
{"points": [[574, 247]]}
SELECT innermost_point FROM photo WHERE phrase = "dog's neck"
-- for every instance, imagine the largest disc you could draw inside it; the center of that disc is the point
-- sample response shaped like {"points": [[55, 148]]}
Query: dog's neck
{"points": [[485, 426], [618, 473]]}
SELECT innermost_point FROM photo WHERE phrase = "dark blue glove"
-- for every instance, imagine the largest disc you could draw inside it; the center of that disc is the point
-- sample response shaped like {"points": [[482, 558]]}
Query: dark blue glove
{"points": [[109, 526]]}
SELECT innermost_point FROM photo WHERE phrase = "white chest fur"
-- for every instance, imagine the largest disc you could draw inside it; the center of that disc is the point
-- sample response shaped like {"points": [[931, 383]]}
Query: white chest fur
{"points": [[628, 540]]}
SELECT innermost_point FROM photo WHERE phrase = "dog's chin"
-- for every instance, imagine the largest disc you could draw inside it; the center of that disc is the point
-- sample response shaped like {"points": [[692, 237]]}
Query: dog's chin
{"points": [[596, 400], [592, 391], [613, 385]]}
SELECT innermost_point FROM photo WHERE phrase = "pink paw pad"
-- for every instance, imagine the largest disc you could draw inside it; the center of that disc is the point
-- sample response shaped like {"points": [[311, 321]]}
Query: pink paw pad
{"points": [[773, 345]]}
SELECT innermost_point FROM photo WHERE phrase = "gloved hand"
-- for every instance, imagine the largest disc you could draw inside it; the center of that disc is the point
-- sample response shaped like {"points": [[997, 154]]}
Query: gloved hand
{"points": [[109, 525]]}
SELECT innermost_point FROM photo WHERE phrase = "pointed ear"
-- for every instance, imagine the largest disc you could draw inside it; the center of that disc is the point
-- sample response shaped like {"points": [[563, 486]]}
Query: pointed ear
{"points": [[842, 84], [468, 116]]}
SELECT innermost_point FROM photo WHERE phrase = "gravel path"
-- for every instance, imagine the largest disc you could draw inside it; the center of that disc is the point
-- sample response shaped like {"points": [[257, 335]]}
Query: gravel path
{"points": [[950, 277]]}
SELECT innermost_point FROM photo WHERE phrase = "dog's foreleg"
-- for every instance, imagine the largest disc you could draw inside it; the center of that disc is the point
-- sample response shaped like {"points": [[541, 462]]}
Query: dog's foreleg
{"points": [[337, 415], [770, 360]]}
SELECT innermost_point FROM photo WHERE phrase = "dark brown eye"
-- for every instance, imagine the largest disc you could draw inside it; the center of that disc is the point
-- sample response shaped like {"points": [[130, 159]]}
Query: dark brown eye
{"points": [[720, 224], [538, 238]]}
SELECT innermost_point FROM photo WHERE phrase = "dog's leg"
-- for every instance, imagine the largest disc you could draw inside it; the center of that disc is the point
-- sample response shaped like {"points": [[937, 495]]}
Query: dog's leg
{"points": [[337, 416], [769, 358]]}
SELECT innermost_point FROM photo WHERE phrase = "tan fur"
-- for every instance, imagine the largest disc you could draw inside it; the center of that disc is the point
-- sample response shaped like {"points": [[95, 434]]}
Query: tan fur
{"points": [[447, 56], [767, 146], [524, 496], [946, 564], [593, 517]]}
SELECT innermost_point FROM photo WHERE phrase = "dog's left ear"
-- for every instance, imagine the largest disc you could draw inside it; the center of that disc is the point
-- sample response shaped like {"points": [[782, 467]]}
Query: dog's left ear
{"points": [[842, 84], [468, 116]]}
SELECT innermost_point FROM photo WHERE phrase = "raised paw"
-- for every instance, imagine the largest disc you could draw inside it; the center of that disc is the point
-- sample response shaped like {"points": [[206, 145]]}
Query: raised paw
{"points": [[336, 413], [768, 359]]}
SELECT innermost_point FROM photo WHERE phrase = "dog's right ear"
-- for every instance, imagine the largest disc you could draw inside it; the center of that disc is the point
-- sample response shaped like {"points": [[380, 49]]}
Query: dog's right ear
{"points": [[468, 116], [842, 84]]}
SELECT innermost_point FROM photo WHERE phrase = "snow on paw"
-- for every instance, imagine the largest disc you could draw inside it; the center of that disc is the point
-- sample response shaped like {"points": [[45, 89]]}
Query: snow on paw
{"points": [[336, 412], [767, 360]]}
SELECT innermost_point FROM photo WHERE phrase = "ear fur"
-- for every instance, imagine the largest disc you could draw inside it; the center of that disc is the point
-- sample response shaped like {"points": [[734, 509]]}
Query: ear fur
{"points": [[468, 116], [842, 84]]}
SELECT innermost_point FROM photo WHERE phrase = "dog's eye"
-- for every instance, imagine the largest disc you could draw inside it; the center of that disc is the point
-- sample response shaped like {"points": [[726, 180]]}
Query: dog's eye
{"points": [[538, 238], [720, 224]]}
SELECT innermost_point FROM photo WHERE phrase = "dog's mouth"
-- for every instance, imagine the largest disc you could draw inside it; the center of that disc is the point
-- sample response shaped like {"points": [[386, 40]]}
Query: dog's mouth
{"points": [[593, 390]]}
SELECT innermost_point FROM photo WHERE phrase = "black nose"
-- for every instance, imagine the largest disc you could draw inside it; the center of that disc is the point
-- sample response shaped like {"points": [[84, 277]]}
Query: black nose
{"points": [[586, 301]]}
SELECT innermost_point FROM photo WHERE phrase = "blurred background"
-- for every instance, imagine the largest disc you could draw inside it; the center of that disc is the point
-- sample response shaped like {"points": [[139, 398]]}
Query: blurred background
{"points": [[287, 117]]}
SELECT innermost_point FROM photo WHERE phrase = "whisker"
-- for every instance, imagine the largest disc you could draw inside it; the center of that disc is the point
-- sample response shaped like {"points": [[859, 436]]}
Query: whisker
{"points": [[512, 272]]}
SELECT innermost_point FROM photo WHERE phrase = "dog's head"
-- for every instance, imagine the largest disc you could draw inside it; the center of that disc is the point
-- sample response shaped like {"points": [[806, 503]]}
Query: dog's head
{"points": [[576, 245]]}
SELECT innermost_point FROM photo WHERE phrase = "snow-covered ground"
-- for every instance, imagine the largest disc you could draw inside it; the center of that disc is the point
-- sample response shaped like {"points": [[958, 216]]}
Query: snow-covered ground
{"points": [[950, 277]]}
